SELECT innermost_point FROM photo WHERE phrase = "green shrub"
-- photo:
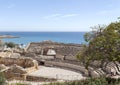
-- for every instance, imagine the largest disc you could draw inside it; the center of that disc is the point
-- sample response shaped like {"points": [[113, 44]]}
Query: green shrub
{"points": [[10, 44], [2, 79], [21, 84], [113, 81], [91, 81]]}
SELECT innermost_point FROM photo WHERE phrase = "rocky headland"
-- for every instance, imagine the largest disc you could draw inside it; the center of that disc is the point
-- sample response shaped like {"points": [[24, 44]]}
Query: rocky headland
{"points": [[8, 36]]}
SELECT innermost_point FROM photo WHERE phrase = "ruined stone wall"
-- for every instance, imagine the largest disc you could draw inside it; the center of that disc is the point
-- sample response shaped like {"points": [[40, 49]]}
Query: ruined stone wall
{"points": [[17, 68], [11, 76], [23, 62]]}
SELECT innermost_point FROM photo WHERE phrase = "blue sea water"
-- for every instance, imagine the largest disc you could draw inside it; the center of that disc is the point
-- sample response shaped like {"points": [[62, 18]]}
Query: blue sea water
{"points": [[26, 37]]}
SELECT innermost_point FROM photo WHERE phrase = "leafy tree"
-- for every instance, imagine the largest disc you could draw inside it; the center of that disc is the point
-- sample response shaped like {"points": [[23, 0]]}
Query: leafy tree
{"points": [[10, 44], [103, 45]]}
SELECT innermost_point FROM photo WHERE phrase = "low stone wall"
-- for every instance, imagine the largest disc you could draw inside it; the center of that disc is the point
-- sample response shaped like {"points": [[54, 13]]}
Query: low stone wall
{"points": [[11, 76], [67, 65], [97, 73], [39, 79], [23, 62], [31, 69]]}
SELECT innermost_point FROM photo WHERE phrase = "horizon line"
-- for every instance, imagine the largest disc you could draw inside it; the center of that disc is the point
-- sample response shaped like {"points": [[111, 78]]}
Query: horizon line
{"points": [[44, 31]]}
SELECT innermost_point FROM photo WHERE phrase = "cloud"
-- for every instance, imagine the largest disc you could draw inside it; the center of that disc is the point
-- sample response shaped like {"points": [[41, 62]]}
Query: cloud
{"points": [[58, 16], [10, 6], [70, 15], [52, 16]]}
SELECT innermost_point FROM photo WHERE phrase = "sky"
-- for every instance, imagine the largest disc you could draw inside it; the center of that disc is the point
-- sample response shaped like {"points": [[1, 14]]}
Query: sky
{"points": [[56, 15]]}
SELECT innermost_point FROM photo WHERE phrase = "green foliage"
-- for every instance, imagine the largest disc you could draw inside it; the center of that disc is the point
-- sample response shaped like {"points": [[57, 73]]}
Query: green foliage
{"points": [[2, 79], [91, 81], [103, 45], [22, 84], [10, 44]]}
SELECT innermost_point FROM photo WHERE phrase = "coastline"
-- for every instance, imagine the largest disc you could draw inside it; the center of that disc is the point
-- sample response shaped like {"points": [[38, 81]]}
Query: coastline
{"points": [[8, 36], [27, 37]]}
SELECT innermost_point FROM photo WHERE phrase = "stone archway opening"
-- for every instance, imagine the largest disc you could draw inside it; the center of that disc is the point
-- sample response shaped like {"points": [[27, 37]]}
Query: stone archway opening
{"points": [[42, 63]]}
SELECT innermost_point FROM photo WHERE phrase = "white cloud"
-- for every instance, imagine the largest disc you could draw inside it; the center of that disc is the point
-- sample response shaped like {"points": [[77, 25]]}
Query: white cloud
{"points": [[52, 16], [70, 15], [58, 16]]}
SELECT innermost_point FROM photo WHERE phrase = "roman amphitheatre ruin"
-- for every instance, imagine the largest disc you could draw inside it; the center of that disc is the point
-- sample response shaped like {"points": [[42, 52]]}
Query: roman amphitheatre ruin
{"points": [[48, 60]]}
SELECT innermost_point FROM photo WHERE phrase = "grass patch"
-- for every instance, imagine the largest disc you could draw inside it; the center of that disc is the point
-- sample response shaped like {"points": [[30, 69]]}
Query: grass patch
{"points": [[91, 81]]}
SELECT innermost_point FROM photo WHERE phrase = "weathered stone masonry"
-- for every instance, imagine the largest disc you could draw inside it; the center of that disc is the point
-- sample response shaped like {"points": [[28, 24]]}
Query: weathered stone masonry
{"points": [[69, 51], [18, 68]]}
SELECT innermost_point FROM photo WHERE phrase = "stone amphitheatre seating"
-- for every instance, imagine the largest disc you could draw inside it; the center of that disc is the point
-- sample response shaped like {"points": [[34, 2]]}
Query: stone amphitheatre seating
{"points": [[109, 68], [61, 49], [112, 68], [74, 67], [66, 56], [93, 72]]}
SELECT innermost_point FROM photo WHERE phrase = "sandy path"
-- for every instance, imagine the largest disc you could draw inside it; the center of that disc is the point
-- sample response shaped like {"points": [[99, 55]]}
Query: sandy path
{"points": [[52, 72], [58, 73]]}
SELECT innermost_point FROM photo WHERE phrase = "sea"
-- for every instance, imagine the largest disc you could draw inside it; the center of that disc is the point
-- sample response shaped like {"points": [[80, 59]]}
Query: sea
{"points": [[27, 37]]}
